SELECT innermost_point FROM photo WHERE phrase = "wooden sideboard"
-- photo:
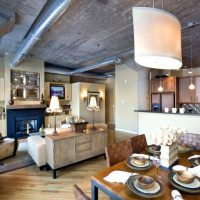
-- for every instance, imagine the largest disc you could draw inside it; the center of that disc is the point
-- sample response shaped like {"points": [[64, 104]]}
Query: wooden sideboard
{"points": [[67, 148]]}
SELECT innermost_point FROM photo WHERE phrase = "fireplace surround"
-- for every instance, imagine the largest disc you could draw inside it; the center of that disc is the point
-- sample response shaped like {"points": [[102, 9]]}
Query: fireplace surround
{"points": [[22, 120]]}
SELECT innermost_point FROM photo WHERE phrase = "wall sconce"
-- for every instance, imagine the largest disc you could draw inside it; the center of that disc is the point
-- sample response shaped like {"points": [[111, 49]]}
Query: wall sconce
{"points": [[84, 95], [85, 98]]}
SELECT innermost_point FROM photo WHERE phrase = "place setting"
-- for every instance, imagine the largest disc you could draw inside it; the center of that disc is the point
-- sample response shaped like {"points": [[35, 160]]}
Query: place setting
{"points": [[142, 161], [195, 160], [153, 149], [185, 179], [145, 186]]}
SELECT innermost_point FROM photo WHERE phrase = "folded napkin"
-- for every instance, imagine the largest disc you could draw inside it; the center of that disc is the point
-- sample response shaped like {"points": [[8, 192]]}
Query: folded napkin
{"points": [[194, 156], [176, 195], [194, 170], [144, 156], [118, 177]]}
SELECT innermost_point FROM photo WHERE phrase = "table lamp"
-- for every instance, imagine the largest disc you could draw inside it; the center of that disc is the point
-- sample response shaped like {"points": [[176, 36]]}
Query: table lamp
{"points": [[54, 108], [93, 107]]}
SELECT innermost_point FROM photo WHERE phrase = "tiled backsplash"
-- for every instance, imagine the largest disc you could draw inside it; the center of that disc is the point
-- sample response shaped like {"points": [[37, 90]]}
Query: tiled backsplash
{"points": [[191, 108]]}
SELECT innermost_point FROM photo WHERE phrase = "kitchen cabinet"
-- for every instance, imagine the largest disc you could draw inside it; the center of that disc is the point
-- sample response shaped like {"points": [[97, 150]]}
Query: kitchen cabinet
{"points": [[185, 94], [166, 98], [197, 89], [168, 83]]}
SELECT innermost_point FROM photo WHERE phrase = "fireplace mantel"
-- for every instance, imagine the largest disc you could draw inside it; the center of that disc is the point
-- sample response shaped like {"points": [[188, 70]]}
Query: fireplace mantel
{"points": [[37, 106]]}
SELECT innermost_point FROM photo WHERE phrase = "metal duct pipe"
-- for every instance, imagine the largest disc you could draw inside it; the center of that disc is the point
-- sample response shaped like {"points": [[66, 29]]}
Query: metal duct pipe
{"points": [[110, 61], [48, 17], [63, 71]]}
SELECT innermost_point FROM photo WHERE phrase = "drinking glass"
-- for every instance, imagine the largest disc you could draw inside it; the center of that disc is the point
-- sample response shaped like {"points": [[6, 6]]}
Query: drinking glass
{"points": [[156, 162]]}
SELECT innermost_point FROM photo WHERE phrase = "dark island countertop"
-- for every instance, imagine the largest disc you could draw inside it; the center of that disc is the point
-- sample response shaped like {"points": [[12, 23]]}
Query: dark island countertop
{"points": [[159, 112]]}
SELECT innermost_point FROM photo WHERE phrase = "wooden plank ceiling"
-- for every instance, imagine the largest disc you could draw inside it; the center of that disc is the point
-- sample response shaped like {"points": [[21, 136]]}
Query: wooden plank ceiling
{"points": [[92, 30]]}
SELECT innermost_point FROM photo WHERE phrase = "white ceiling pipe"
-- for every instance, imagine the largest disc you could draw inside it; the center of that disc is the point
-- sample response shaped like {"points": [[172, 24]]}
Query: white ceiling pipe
{"points": [[95, 66], [48, 17]]}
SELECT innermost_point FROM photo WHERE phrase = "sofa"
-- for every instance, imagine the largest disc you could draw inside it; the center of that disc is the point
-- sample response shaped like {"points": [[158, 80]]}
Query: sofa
{"points": [[8, 147]]}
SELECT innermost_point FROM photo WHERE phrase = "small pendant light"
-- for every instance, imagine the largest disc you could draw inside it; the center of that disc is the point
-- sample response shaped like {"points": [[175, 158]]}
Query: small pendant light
{"points": [[191, 86]]}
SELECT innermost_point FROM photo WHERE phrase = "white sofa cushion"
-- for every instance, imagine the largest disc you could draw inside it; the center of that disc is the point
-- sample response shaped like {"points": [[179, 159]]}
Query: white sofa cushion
{"points": [[37, 149]]}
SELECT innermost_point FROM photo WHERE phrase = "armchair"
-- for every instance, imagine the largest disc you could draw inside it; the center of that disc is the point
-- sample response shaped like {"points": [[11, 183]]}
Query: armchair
{"points": [[8, 147]]}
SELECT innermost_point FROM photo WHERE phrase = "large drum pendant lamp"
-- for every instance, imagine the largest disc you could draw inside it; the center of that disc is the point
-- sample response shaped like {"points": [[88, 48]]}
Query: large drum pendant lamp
{"points": [[157, 38]]}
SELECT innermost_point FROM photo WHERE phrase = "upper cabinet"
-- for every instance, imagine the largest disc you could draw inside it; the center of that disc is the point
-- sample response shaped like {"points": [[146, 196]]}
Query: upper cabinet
{"points": [[185, 94], [168, 83], [65, 90]]}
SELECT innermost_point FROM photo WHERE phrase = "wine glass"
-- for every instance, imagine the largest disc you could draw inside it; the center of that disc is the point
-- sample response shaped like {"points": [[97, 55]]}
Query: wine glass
{"points": [[156, 162]]}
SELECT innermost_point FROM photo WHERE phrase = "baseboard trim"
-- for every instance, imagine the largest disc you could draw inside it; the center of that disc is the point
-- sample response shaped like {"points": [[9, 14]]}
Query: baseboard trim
{"points": [[124, 130]]}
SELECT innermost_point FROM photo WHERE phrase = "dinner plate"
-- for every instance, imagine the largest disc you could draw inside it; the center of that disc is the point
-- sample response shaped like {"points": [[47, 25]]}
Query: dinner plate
{"points": [[184, 187], [194, 184], [195, 161], [154, 192], [151, 151], [146, 166]]}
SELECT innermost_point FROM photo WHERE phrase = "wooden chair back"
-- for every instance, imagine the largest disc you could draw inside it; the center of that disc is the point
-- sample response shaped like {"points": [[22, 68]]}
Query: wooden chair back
{"points": [[117, 152], [138, 143], [79, 194]]}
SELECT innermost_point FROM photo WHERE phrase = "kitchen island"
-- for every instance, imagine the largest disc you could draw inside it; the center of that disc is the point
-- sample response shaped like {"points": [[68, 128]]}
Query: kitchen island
{"points": [[150, 122]]}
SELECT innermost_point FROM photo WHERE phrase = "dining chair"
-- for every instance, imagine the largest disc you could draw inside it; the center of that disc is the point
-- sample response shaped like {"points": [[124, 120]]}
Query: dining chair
{"points": [[117, 152], [138, 143], [79, 194]]}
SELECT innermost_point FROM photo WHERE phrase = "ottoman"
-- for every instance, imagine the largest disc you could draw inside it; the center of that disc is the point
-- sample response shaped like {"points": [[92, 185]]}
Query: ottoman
{"points": [[37, 149]]}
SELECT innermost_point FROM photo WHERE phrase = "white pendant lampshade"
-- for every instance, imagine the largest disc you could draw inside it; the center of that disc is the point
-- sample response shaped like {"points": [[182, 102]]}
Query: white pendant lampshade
{"points": [[157, 38]]}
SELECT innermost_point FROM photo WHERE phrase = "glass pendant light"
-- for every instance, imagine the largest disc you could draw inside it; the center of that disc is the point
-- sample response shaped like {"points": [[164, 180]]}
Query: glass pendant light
{"points": [[160, 88]]}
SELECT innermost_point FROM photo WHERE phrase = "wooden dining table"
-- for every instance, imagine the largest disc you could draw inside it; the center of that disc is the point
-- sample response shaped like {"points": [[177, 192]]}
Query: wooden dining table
{"points": [[120, 191]]}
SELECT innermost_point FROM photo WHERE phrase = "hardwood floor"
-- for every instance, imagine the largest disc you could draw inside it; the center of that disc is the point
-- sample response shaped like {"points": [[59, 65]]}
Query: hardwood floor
{"points": [[31, 183]]}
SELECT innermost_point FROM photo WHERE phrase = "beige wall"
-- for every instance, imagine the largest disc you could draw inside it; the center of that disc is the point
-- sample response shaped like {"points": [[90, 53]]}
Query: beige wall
{"points": [[31, 65], [79, 90], [109, 94], [131, 93], [49, 77]]}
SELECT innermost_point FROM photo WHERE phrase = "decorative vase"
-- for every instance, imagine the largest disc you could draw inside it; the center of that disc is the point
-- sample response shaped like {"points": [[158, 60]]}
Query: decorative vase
{"points": [[169, 154], [11, 101], [42, 99]]}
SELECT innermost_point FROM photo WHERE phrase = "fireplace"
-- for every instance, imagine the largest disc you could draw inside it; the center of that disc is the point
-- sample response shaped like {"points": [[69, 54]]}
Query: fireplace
{"points": [[22, 120]]}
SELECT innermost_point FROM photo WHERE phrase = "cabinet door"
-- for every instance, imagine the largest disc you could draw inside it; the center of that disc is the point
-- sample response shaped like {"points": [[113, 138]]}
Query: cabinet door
{"points": [[99, 143], [60, 152], [68, 91], [155, 83], [167, 101], [47, 91], [185, 94], [197, 89], [169, 84], [2, 97]]}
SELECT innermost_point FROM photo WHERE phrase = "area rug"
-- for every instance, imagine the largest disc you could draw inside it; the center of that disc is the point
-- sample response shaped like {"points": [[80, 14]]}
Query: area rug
{"points": [[22, 159]]}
